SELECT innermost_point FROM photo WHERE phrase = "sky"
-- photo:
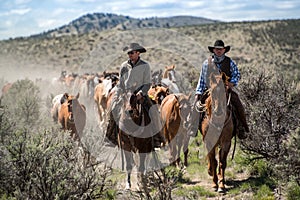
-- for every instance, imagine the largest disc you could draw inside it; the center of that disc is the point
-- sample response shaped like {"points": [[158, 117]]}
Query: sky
{"points": [[27, 17]]}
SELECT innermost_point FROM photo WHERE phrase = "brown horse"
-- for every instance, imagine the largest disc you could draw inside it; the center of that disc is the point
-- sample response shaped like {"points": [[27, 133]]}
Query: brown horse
{"points": [[135, 134], [174, 111], [102, 93], [72, 115], [217, 129], [157, 93]]}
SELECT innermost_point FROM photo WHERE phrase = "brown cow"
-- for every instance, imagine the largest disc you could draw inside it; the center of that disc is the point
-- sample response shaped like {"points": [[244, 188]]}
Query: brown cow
{"points": [[174, 111]]}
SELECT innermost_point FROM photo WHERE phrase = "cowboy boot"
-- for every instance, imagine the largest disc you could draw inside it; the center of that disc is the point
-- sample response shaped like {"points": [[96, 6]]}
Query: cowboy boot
{"points": [[242, 126], [111, 136]]}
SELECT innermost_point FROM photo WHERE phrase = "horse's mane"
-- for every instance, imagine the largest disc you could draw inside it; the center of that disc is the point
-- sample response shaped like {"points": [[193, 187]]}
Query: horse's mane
{"points": [[208, 105]]}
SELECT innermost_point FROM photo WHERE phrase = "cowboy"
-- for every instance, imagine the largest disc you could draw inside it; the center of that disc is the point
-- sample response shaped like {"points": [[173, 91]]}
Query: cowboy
{"points": [[219, 62], [135, 77]]}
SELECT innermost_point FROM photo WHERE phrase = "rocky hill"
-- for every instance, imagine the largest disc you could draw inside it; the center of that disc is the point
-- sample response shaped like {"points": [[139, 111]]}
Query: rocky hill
{"points": [[100, 21]]}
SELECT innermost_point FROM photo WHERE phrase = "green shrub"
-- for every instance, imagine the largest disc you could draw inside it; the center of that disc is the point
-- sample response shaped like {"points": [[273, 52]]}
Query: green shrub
{"points": [[293, 191], [264, 193], [23, 102]]}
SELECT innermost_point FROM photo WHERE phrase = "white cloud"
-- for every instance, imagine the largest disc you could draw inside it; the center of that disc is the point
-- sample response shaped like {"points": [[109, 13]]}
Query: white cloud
{"points": [[46, 23], [20, 2], [20, 11]]}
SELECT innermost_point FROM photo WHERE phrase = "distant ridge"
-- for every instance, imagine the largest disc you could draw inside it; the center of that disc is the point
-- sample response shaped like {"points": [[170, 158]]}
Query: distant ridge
{"points": [[105, 21]]}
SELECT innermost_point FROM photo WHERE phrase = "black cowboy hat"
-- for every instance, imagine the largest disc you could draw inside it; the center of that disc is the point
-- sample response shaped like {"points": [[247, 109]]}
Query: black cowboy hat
{"points": [[134, 47], [219, 44]]}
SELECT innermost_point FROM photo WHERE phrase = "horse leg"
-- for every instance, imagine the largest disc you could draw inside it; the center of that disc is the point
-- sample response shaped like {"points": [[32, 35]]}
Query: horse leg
{"points": [[186, 150], [129, 166], [172, 149], [223, 153], [177, 149], [212, 167], [142, 178]]}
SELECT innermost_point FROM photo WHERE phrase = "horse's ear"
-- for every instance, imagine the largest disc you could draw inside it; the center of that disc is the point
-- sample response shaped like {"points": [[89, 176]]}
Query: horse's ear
{"points": [[167, 90], [173, 66], [224, 77], [77, 96]]}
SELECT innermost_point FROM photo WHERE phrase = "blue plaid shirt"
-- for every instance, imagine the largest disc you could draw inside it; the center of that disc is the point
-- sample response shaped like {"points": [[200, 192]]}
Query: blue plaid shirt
{"points": [[201, 86]]}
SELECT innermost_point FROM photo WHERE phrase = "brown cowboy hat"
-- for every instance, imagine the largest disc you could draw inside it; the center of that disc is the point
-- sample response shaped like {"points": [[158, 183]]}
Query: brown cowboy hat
{"points": [[134, 47], [219, 44]]}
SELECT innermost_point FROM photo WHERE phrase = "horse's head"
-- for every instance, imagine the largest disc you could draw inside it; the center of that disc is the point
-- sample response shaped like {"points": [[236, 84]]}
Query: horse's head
{"points": [[70, 102], [170, 73], [216, 103], [157, 93], [156, 77], [184, 108], [130, 107]]}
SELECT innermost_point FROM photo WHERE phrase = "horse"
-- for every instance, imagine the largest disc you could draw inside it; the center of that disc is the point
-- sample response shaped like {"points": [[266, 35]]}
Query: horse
{"points": [[72, 115], [102, 93], [56, 105], [5, 88], [217, 128], [174, 110], [157, 93], [169, 79], [135, 134]]}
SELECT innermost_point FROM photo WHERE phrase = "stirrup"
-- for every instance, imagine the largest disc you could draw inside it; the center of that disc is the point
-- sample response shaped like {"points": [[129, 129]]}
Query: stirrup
{"points": [[199, 106]]}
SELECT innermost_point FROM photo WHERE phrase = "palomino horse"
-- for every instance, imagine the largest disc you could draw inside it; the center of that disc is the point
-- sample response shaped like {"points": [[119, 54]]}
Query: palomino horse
{"points": [[217, 129], [174, 110], [135, 134]]}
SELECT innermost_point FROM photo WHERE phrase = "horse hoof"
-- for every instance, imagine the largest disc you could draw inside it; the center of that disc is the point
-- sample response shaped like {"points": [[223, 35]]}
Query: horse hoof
{"points": [[214, 186], [221, 190], [128, 186]]}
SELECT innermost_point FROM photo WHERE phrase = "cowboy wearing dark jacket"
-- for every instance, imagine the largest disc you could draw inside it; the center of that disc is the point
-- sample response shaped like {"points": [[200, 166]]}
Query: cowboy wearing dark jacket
{"points": [[221, 63], [135, 78]]}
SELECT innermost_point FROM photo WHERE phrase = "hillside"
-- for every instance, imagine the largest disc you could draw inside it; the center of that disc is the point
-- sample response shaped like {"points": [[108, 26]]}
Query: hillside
{"points": [[273, 44], [97, 22]]}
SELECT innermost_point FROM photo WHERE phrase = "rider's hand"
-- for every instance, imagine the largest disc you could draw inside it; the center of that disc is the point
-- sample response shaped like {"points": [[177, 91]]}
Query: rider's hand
{"points": [[197, 97], [229, 85]]}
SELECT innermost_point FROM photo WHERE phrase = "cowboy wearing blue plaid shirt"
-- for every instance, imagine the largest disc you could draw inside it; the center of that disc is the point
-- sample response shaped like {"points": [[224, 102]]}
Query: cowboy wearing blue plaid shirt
{"points": [[217, 63]]}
